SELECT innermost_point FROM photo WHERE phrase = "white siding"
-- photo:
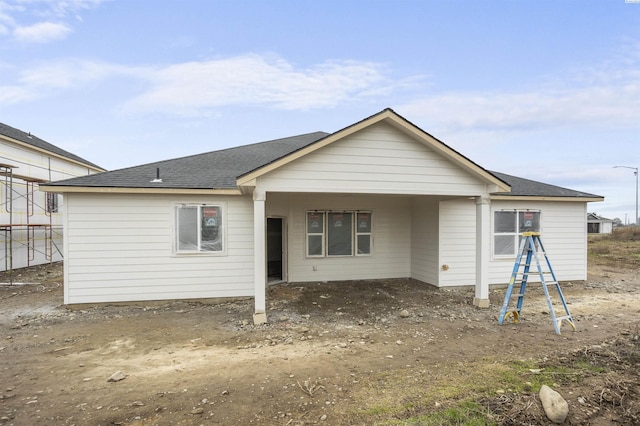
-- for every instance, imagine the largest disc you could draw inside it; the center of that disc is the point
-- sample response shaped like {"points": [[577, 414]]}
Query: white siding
{"points": [[564, 236], [424, 240], [563, 227], [120, 248], [457, 242], [35, 165], [377, 160], [390, 257]]}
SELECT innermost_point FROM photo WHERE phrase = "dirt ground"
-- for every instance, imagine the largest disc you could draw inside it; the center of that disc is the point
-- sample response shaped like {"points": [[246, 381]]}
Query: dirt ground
{"points": [[332, 353]]}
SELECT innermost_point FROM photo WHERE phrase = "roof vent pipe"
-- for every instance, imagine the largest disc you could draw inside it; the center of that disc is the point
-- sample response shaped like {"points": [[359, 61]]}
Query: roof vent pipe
{"points": [[157, 179]]}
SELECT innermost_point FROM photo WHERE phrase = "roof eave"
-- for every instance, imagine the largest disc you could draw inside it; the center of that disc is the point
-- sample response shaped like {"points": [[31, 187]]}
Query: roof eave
{"points": [[53, 154], [249, 179], [132, 190], [499, 197]]}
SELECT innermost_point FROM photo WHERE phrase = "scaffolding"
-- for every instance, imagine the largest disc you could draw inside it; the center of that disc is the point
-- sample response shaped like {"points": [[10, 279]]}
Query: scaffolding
{"points": [[35, 231]]}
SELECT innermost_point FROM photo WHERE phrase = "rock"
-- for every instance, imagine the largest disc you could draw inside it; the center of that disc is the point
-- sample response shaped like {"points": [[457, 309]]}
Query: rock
{"points": [[323, 417], [404, 313], [117, 376], [198, 410], [555, 406]]}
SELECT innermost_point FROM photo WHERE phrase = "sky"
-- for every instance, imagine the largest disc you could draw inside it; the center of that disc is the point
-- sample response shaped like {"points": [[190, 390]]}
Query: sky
{"points": [[546, 90]]}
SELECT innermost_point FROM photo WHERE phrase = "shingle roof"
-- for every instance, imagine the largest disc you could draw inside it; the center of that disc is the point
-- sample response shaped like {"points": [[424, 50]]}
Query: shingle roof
{"points": [[35, 141], [592, 217], [220, 169], [531, 188], [211, 170]]}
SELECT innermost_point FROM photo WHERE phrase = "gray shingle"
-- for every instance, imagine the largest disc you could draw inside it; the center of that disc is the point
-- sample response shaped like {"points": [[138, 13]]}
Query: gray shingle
{"points": [[211, 170], [531, 188], [35, 141], [220, 169]]}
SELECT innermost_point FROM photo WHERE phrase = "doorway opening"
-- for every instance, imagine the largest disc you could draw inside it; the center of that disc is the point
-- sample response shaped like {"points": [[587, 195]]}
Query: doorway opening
{"points": [[275, 249]]}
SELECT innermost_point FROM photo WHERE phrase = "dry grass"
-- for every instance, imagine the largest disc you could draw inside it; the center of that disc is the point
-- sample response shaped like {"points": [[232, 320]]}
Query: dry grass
{"points": [[621, 248]]}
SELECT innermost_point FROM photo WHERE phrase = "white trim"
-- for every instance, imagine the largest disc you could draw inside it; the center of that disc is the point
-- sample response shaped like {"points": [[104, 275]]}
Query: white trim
{"points": [[222, 229], [325, 234], [483, 246], [260, 257], [52, 154], [128, 190], [515, 234]]}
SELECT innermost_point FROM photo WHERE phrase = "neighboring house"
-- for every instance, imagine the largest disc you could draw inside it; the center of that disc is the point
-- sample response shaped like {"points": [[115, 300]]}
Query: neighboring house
{"points": [[31, 220], [378, 199], [598, 224]]}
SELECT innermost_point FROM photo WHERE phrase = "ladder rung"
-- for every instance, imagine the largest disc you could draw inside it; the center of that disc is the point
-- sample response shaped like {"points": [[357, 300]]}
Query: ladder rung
{"points": [[522, 272]]}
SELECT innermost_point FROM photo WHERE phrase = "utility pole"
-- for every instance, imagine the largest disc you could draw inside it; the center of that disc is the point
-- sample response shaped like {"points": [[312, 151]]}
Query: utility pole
{"points": [[635, 172]]}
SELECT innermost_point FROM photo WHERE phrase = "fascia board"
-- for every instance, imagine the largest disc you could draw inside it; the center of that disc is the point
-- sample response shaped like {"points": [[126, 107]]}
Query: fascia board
{"points": [[544, 198], [52, 154], [88, 189], [419, 134], [252, 176]]}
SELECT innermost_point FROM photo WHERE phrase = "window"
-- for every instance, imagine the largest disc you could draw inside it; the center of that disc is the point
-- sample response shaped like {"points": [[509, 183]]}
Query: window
{"points": [[315, 234], [363, 233], [199, 229], [508, 225], [343, 233], [51, 205]]}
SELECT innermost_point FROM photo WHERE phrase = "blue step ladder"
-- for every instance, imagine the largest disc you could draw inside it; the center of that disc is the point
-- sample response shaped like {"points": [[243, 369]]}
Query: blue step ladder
{"points": [[530, 249]]}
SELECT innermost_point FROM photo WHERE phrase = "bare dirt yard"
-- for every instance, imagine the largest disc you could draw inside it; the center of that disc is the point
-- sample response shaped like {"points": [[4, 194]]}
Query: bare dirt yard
{"points": [[385, 352]]}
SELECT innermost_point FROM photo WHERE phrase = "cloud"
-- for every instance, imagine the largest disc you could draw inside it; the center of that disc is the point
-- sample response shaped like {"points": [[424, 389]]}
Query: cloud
{"points": [[607, 94], [42, 32], [527, 110], [192, 87], [195, 88], [47, 79], [40, 21]]}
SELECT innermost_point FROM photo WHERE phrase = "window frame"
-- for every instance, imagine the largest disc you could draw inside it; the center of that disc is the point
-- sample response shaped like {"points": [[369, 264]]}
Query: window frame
{"points": [[315, 234], [325, 234], [516, 234], [359, 233], [199, 251], [335, 238]]}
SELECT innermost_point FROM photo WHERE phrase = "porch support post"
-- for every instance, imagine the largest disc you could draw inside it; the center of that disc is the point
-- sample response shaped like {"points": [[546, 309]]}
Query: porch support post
{"points": [[483, 251], [259, 257]]}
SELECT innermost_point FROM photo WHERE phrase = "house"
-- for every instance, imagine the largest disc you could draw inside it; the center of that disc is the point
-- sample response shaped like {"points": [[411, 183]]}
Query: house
{"points": [[378, 199], [31, 220], [598, 224]]}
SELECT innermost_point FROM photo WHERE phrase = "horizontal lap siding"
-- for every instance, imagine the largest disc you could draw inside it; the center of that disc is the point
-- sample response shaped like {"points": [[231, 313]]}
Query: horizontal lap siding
{"points": [[563, 227], [120, 248], [379, 159], [458, 242], [424, 241], [36, 248], [391, 238]]}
